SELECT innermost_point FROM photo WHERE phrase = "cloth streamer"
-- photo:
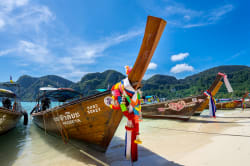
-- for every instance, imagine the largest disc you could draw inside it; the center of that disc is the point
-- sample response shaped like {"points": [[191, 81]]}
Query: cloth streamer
{"points": [[228, 85], [212, 102], [127, 99]]}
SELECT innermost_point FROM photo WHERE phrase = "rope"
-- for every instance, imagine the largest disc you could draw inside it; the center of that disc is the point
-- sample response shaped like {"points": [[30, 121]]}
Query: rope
{"points": [[63, 128], [44, 124], [59, 127]]}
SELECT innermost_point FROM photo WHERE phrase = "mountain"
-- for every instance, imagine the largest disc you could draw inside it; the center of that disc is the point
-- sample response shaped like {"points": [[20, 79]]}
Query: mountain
{"points": [[161, 85], [92, 81], [29, 86], [239, 77]]}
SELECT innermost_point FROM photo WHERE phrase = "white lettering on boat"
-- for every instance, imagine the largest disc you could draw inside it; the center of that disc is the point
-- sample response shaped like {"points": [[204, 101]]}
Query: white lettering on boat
{"points": [[93, 109], [68, 118], [2, 119]]}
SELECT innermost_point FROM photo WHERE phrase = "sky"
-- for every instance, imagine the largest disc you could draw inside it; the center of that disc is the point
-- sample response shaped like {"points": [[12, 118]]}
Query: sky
{"points": [[72, 38]]}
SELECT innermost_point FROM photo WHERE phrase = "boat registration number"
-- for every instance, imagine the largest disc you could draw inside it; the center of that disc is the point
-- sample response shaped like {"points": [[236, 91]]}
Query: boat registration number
{"points": [[93, 109]]}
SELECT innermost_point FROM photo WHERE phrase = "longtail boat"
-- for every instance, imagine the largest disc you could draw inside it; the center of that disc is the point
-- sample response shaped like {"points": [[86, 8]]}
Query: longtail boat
{"points": [[10, 109], [180, 109], [205, 103], [91, 119], [226, 105]]}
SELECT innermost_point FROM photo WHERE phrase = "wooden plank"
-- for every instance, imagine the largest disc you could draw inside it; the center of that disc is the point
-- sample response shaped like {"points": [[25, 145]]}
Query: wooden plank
{"points": [[153, 32]]}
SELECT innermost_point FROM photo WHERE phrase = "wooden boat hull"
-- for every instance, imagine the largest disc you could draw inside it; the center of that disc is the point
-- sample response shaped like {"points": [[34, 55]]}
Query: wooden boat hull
{"points": [[247, 104], [8, 119], [88, 119], [226, 105], [181, 109]]}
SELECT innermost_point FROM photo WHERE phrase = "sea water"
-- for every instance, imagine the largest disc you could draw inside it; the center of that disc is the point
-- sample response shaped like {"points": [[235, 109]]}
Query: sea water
{"points": [[31, 146]]}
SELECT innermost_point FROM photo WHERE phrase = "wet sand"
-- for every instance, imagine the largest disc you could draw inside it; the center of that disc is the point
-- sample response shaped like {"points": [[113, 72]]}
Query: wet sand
{"points": [[200, 141]]}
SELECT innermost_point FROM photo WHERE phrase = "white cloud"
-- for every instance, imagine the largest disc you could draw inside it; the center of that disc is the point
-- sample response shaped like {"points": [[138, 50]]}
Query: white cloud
{"points": [[28, 23], [87, 53], [152, 66], [179, 9], [5, 52], [38, 53], [2, 23], [179, 57], [74, 75], [218, 13], [9, 5], [181, 16], [179, 68], [34, 52], [22, 15]]}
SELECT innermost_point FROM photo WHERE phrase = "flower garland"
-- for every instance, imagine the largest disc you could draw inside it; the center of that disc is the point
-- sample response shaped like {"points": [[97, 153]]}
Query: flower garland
{"points": [[127, 99]]}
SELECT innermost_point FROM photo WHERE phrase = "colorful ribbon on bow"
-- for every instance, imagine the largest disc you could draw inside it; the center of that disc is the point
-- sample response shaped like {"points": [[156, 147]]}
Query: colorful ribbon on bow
{"points": [[228, 86], [127, 99], [212, 102]]}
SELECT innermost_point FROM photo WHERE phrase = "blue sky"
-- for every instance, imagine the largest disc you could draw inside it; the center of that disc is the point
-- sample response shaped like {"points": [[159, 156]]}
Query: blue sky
{"points": [[72, 38]]}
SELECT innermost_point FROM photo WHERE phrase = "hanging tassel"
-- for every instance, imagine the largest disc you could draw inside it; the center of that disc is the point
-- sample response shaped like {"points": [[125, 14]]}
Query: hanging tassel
{"points": [[128, 143], [212, 106], [226, 81], [228, 86], [127, 99]]}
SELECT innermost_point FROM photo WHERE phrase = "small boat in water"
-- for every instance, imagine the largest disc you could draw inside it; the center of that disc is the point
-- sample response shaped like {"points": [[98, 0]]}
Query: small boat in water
{"points": [[10, 108], [180, 109], [91, 119]]}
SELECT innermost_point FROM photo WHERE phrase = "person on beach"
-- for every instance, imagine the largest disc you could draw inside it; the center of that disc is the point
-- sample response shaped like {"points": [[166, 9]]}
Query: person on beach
{"points": [[6, 103], [45, 103]]}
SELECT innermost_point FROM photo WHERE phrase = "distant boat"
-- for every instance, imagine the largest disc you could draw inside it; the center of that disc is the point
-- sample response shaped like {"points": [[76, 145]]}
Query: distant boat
{"points": [[10, 109], [180, 109], [90, 119], [244, 100], [227, 105]]}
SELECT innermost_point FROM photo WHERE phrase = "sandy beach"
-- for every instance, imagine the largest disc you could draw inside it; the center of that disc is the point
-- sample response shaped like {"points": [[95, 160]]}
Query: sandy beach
{"points": [[200, 141], [203, 140]]}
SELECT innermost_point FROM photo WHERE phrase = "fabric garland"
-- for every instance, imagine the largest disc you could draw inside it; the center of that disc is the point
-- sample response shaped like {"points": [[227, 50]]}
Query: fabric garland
{"points": [[228, 86], [212, 104], [127, 99]]}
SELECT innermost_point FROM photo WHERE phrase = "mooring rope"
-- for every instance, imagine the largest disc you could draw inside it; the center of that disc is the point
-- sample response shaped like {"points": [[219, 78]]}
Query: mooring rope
{"points": [[44, 124], [60, 127]]}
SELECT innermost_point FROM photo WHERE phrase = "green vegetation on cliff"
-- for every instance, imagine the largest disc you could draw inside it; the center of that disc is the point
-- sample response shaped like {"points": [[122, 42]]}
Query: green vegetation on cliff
{"points": [[161, 85]]}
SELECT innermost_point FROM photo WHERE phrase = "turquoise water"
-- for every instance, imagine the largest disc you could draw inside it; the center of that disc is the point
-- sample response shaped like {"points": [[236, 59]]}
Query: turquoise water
{"points": [[31, 146]]}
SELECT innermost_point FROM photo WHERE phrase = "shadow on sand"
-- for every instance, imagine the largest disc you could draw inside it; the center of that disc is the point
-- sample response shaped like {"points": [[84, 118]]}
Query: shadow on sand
{"points": [[113, 156], [11, 144]]}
